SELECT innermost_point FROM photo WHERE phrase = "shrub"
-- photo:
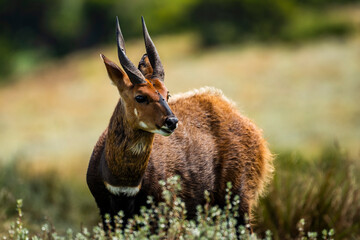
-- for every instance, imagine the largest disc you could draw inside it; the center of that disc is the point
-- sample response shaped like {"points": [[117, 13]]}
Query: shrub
{"points": [[319, 194], [324, 191], [32, 31], [47, 196], [229, 21], [166, 220], [312, 24]]}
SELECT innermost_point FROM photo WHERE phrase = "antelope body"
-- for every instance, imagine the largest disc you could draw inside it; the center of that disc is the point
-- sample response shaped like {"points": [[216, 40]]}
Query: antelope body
{"points": [[199, 136]]}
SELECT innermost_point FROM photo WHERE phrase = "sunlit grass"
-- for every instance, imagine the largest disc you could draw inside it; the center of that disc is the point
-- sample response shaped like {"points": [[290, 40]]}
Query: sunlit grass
{"points": [[49, 197], [166, 220], [322, 190], [302, 96]]}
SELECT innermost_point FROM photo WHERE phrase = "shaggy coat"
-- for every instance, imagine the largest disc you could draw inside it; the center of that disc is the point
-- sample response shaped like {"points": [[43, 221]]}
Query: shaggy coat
{"points": [[212, 145], [199, 136]]}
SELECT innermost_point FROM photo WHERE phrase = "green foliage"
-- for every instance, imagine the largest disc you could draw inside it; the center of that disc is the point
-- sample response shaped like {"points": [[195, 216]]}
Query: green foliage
{"points": [[61, 26], [323, 3], [312, 24], [47, 196], [229, 21], [166, 220], [44, 29], [320, 195], [323, 191], [221, 22]]}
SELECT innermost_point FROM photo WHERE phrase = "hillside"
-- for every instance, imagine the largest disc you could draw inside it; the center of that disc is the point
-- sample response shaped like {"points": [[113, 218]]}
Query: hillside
{"points": [[303, 96]]}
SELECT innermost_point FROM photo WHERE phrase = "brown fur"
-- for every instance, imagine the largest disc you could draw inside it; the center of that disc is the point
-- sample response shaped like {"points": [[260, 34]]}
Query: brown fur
{"points": [[212, 145]]}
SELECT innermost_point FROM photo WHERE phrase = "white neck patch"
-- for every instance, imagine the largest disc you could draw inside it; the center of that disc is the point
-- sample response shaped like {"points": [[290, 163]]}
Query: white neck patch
{"points": [[127, 191], [138, 148]]}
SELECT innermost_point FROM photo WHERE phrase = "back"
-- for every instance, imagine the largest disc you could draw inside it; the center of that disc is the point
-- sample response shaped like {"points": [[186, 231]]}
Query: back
{"points": [[212, 145]]}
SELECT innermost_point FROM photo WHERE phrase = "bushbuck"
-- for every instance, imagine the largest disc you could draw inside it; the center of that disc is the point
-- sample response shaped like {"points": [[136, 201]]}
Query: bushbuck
{"points": [[199, 136]]}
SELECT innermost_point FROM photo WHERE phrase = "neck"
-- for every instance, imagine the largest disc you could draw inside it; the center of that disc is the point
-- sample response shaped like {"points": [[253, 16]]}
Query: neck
{"points": [[127, 151]]}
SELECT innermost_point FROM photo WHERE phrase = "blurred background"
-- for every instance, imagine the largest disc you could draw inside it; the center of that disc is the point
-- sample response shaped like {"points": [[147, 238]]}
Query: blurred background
{"points": [[292, 66]]}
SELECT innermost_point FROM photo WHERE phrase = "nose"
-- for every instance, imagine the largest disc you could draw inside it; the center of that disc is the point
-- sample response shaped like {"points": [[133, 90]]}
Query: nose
{"points": [[171, 122]]}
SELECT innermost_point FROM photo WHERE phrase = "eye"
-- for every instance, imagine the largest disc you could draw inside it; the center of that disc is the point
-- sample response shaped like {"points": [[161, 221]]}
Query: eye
{"points": [[141, 99], [168, 96]]}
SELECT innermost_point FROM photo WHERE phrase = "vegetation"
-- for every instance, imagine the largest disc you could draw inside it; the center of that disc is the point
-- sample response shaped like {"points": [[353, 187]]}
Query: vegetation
{"points": [[36, 31], [319, 194], [46, 196], [324, 191], [166, 220], [51, 118], [230, 21], [303, 96]]}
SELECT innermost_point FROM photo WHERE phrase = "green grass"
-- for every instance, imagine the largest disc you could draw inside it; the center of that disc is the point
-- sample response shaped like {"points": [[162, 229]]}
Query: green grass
{"points": [[166, 220], [322, 191], [301, 96], [47, 196]]}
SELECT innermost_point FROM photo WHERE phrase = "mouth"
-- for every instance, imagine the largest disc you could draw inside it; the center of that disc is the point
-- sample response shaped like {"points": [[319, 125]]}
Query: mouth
{"points": [[166, 130]]}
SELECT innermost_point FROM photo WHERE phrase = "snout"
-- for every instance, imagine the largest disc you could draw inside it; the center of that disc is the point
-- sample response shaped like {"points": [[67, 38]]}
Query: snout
{"points": [[171, 123]]}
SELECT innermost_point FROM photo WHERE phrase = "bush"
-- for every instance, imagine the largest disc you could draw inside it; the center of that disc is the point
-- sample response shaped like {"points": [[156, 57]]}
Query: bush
{"points": [[48, 196], [229, 21], [44, 29], [167, 220], [319, 194], [324, 191], [312, 24]]}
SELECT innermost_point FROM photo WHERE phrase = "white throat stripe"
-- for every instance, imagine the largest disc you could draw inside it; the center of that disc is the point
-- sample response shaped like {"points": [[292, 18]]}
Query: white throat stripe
{"points": [[127, 191]]}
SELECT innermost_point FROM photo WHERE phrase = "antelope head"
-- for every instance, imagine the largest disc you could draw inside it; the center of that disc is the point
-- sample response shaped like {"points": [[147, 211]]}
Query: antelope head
{"points": [[143, 92]]}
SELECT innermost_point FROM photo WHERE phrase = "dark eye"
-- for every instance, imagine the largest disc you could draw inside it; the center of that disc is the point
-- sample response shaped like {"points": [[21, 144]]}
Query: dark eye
{"points": [[168, 96], [141, 99]]}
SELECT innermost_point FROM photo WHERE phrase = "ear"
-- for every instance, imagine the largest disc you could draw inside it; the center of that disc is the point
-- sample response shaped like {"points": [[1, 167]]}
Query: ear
{"points": [[116, 74], [145, 67]]}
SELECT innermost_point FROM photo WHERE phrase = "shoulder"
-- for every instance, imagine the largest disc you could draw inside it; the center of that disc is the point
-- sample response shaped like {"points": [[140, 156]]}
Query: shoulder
{"points": [[210, 103], [96, 155], [99, 146], [203, 97], [204, 92]]}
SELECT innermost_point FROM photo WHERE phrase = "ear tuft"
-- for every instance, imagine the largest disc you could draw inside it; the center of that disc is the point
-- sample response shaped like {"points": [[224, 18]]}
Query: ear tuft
{"points": [[106, 60], [145, 66], [115, 73]]}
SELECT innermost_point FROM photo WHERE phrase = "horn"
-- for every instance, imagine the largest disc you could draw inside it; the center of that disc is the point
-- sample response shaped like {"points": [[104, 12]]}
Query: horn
{"points": [[158, 70], [133, 73]]}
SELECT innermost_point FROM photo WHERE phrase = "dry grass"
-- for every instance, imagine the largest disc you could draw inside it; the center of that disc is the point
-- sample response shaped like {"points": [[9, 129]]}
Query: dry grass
{"points": [[302, 96]]}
